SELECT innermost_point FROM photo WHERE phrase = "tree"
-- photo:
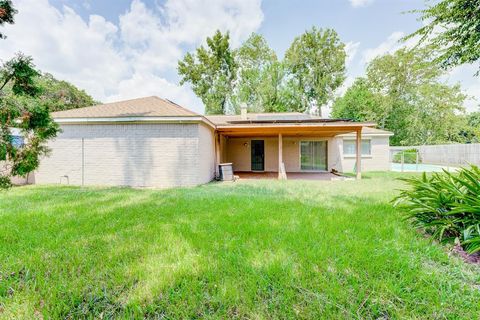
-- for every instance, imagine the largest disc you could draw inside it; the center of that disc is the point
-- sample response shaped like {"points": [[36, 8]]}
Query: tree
{"points": [[259, 76], [452, 29], [211, 71], [358, 103], [316, 62], [19, 110], [402, 92], [7, 12], [60, 94]]}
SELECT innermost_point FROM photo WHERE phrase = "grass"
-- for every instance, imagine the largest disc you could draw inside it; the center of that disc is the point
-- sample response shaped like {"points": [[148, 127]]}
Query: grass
{"points": [[254, 249]]}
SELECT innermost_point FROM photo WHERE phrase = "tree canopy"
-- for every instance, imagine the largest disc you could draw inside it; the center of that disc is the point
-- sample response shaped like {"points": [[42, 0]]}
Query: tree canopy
{"points": [[19, 109], [452, 29], [211, 71], [259, 75], [402, 92], [313, 68], [316, 61]]}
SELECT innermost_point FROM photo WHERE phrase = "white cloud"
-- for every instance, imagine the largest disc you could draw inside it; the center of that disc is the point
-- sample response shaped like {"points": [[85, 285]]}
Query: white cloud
{"points": [[470, 84], [134, 58], [351, 49], [390, 45], [360, 3]]}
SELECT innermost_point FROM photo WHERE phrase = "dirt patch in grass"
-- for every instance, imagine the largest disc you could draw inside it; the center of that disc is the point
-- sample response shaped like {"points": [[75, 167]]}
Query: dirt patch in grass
{"points": [[468, 258]]}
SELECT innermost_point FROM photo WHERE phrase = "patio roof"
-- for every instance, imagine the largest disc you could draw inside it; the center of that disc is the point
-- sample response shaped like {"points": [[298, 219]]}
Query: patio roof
{"points": [[293, 128]]}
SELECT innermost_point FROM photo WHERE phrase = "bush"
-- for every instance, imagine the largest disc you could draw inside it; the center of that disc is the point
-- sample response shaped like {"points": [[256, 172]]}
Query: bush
{"points": [[446, 205], [410, 156]]}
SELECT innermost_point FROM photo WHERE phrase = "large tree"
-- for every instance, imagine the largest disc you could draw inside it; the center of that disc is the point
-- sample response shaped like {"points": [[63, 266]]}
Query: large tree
{"points": [[259, 77], [359, 103], [19, 109], [403, 92], [60, 95], [211, 71], [316, 62], [452, 29]]}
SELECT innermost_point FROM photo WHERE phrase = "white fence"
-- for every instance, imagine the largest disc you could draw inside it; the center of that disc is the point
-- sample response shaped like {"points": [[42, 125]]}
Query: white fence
{"points": [[446, 155]]}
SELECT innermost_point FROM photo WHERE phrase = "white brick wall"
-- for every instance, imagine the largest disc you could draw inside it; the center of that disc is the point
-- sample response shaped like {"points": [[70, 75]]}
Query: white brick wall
{"points": [[143, 155]]}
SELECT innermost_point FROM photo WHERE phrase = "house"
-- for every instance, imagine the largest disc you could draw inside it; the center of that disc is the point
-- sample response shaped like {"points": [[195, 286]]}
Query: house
{"points": [[153, 142]]}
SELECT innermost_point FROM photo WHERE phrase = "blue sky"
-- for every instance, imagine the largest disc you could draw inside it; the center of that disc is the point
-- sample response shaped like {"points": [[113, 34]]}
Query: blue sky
{"points": [[119, 49]]}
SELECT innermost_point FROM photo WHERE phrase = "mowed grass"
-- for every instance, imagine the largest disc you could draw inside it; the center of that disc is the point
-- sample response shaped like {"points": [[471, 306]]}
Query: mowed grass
{"points": [[253, 249]]}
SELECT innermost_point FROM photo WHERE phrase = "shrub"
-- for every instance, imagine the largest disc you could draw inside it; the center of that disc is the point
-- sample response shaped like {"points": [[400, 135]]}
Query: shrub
{"points": [[446, 205], [410, 156]]}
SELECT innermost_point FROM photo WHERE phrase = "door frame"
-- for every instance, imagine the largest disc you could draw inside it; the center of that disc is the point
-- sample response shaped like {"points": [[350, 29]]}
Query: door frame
{"points": [[327, 146], [251, 155]]}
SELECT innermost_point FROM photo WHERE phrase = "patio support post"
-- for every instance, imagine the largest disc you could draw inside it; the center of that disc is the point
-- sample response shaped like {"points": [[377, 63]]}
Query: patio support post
{"points": [[359, 154], [217, 154], [280, 156]]}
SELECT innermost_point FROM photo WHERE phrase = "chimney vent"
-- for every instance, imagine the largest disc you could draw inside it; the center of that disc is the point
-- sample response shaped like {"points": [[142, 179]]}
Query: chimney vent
{"points": [[243, 111]]}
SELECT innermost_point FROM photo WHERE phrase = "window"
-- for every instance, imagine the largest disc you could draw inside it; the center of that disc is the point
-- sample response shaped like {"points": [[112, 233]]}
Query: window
{"points": [[313, 155], [17, 141], [349, 147]]}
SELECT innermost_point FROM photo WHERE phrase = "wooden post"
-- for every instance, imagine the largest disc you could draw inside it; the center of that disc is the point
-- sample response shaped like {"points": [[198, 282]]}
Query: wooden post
{"points": [[359, 154], [217, 154], [280, 156]]}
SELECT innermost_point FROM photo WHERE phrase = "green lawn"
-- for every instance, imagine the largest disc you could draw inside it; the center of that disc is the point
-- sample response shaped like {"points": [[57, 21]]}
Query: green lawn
{"points": [[254, 249]]}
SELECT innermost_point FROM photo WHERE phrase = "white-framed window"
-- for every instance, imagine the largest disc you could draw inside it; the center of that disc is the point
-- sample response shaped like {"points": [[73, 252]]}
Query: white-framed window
{"points": [[350, 147], [313, 155]]}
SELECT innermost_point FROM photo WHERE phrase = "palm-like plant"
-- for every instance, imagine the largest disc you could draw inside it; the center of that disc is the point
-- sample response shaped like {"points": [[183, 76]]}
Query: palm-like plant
{"points": [[446, 205]]}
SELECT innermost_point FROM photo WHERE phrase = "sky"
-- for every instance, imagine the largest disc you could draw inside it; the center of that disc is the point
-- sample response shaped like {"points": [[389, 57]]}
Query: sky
{"points": [[122, 49]]}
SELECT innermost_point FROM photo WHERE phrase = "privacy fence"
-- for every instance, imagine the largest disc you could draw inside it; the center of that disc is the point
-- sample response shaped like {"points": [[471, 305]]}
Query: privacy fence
{"points": [[447, 155]]}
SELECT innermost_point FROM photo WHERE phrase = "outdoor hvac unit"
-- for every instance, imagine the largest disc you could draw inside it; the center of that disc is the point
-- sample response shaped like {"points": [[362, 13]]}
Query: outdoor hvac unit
{"points": [[226, 171]]}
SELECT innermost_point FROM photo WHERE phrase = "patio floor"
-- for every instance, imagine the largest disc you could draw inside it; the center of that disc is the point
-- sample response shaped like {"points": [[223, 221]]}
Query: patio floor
{"points": [[324, 176]]}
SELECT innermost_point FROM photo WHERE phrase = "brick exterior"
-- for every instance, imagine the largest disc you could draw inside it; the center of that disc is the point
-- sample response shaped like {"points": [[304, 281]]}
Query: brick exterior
{"points": [[140, 155]]}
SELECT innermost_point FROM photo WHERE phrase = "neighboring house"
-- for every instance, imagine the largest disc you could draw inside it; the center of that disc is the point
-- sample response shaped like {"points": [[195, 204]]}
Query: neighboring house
{"points": [[152, 142]]}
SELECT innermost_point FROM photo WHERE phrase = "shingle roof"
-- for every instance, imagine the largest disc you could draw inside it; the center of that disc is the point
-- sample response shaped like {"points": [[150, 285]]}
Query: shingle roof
{"points": [[141, 107]]}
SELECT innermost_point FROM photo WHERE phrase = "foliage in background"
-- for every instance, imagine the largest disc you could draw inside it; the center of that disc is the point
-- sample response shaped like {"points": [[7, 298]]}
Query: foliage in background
{"points": [[211, 71], [403, 92], [19, 109], [452, 29], [446, 205], [60, 95], [316, 64], [7, 13], [259, 76], [313, 68]]}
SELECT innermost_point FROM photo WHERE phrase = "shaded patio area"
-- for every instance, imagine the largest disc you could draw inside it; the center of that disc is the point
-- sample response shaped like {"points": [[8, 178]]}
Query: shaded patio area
{"points": [[319, 176]]}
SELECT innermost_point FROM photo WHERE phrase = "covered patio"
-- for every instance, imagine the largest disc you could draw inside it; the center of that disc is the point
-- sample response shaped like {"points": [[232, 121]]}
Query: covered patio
{"points": [[285, 148], [316, 176]]}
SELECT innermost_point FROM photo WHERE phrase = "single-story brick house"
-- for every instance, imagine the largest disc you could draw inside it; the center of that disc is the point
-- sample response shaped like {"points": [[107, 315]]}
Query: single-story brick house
{"points": [[152, 142]]}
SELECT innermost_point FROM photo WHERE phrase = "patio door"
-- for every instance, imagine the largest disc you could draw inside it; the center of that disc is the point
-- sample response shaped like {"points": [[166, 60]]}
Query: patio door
{"points": [[313, 155], [258, 155]]}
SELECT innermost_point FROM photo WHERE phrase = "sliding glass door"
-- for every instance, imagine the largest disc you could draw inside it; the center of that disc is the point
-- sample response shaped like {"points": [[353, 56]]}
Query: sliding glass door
{"points": [[313, 155]]}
